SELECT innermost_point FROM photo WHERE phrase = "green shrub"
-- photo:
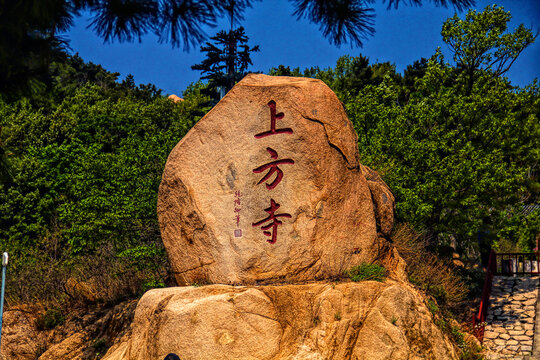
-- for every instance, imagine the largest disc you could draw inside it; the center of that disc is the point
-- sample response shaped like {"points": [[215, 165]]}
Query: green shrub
{"points": [[50, 319], [432, 306], [80, 204], [367, 271]]}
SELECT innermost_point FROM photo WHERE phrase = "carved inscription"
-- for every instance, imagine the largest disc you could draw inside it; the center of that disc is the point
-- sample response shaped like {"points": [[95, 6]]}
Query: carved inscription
{"points": [[237, 208], [272, 168], [273, 118], [272, 220], [269, 225]]}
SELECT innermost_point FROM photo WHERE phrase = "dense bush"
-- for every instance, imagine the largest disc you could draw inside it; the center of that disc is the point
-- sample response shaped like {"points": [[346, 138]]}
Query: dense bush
{"points": [[79, 203]]}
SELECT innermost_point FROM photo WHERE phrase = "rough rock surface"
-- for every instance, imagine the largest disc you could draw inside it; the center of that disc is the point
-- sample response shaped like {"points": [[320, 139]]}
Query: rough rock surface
{"points": [[84, 335], [367, 320], [383, 200], [234, 170], [20, 336], [175, 98]]}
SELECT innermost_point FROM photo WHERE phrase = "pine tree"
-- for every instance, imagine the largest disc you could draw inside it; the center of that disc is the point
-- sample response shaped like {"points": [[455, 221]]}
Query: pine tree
{"points": [[227, 56], [227, 59]]}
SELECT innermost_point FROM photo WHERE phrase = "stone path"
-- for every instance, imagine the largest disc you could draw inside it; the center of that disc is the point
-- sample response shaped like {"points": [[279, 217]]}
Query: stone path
{"points": [[509, 332]]}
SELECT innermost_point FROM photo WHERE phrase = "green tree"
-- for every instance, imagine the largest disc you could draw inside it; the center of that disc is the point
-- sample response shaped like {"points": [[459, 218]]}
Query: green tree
{"points": [[347, 78], [5, 175], [481, 42], [461, 160], [85, 171], [225, 64]]}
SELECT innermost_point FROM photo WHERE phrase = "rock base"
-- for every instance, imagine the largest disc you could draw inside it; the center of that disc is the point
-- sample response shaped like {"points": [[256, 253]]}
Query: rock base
{"points": [[367, 320]]}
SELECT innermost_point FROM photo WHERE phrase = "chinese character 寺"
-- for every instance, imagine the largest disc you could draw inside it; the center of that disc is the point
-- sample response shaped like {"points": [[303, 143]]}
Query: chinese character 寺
{"points": [[273, 118], [273, 221], [272, 168]]}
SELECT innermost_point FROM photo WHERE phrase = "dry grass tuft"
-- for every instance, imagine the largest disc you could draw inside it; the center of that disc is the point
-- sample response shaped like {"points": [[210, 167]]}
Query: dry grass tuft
{"points": [[437, 277]]}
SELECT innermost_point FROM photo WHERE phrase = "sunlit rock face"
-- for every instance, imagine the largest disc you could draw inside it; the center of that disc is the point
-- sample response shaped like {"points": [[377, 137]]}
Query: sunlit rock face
{"points": [[268, 187], [367, 320]]}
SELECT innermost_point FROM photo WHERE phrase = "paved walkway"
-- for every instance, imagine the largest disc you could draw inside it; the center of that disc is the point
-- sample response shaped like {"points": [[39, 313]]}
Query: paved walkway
{"points": [[511, 319], [536, 342]]}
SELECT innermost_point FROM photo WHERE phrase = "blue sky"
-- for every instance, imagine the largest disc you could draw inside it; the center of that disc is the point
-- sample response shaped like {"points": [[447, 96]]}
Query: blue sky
{"points": [[402, 36]]}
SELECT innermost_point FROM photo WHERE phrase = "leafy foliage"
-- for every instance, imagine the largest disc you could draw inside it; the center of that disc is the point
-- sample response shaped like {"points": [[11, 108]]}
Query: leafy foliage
{"points": [[85, 173], [455, 162], [459, 156], [479, 42]]}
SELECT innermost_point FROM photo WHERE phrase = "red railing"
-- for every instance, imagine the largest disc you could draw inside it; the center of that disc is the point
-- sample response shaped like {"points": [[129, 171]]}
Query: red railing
{"points": [[502, 264], [479, 320]]}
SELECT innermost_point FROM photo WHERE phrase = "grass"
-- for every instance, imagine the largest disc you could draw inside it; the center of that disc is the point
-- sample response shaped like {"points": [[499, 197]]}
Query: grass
{"points": [[367, 271]]}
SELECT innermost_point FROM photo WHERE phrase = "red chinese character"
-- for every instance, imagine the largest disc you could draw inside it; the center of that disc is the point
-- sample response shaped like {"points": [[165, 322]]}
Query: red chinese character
{"points": [[238, 220], [237, 201], [237, 194], [273, 118], [273, 167], [274, 222]]}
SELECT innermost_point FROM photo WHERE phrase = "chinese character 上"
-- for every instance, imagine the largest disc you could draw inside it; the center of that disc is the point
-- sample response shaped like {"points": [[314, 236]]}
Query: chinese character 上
{"points": [[273, 118]]}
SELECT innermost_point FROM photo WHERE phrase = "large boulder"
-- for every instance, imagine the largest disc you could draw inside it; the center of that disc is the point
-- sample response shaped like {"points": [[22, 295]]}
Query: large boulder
{"points": [[268, 186], [367, 320]]}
